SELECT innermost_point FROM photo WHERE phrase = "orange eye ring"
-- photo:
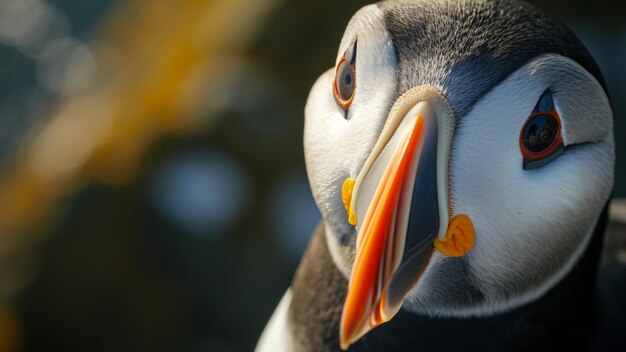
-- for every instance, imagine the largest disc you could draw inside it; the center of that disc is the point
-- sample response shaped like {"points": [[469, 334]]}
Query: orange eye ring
{"points": [[534, 157], [344, 103]]}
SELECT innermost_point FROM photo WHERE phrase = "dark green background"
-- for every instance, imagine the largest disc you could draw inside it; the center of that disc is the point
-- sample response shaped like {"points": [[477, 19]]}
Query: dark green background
{"points": [[118, 274]]}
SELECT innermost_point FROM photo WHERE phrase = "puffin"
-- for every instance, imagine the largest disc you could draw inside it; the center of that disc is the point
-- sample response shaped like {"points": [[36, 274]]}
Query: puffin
{"points": [[461, 153]]}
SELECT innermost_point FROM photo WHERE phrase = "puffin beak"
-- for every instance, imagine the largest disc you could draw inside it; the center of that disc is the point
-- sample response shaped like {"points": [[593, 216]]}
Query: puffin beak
{"points": [[401, 207]]}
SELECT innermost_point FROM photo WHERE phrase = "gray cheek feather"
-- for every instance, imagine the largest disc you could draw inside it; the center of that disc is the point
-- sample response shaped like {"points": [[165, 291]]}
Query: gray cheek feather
{"points": [[467, 47], [450, 286]]}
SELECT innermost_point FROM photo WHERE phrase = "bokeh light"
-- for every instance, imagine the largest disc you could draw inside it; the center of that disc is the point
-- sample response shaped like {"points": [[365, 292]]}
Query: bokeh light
{"points": [[203, 193], [153, 194]]}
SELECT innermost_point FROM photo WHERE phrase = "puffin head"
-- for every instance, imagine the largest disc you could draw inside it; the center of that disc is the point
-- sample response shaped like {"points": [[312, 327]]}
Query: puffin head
{"points": [[460, 153]]}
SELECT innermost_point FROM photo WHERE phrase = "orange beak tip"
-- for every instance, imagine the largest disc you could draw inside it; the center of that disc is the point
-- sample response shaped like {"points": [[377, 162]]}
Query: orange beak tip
{"points": [[344, 344], [346, 338]]}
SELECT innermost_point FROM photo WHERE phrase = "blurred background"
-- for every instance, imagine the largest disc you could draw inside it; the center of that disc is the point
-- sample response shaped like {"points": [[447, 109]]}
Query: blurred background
{"points": [[153, 194]]}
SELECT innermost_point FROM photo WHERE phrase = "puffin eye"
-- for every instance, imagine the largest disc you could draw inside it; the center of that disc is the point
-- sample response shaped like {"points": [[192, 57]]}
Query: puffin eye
{"points": [[540, 139], [345, 78]]}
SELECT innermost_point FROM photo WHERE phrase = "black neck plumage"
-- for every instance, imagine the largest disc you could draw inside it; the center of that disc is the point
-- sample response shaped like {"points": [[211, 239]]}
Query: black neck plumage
{"points": [[563, 318]]}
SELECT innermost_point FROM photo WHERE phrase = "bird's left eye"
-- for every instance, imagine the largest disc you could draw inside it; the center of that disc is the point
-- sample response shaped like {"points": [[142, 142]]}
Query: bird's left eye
{"points": [[345, 78], [541, 140]]}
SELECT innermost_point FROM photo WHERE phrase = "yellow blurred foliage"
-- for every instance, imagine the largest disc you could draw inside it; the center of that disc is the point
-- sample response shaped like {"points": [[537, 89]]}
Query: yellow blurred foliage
{"points": [[154, 59]]}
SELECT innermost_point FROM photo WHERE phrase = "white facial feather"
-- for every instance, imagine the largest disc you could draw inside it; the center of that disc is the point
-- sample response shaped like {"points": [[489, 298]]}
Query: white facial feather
{"points": [[335, 148], [531, 225]]}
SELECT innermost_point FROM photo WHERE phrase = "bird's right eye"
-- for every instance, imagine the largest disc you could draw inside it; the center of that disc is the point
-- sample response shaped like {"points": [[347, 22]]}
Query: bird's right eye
{"points": [[345, 78]]}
